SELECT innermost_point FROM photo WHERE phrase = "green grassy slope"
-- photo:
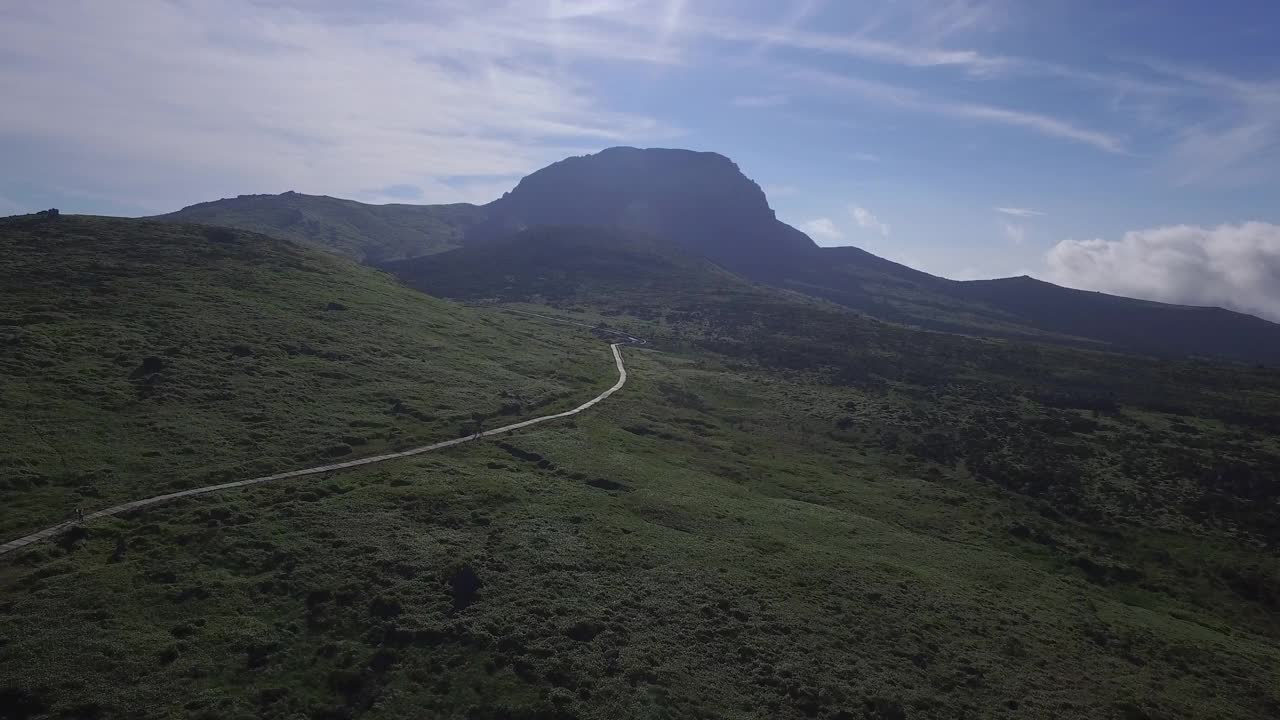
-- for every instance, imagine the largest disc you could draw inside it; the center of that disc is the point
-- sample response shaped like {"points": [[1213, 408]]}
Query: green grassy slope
{"points": [[1226, 469], [790, 511], [141, 357], [371, 233], [711, 545]]}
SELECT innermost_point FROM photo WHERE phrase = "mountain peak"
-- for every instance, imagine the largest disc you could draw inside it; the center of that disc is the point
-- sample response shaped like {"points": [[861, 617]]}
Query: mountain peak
{"points": [[700, 200], [667, 169]]}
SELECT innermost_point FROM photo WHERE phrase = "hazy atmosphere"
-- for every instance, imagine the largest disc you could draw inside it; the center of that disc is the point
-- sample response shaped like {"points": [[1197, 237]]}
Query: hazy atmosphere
{"points": [[1127, 148]]}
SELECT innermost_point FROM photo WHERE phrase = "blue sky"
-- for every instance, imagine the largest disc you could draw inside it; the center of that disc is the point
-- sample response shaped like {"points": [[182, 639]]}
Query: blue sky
{"points": [[1132, 147]]}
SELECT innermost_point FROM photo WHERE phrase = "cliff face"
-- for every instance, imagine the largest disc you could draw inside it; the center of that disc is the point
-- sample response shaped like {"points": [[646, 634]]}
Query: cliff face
{"points": [[699, 200]]}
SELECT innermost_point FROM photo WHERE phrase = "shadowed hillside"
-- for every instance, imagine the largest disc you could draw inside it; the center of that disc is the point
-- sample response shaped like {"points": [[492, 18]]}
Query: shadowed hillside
{"points": [[703, 204], [369, 233], [572, 262], [706, 205]]}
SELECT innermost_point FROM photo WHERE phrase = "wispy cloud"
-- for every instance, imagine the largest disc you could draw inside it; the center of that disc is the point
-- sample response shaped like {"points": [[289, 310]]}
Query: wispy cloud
{"points": [[936, 21], [1224, 153], [1238, 142], [875, 50], [918, 42], [868, 221], [774, 191], [195, 100], [1014, 233], [822, 230], [760, 101], [1019, 212], [192, 99], [797, 13], [670, 20], [576, 9], [846, 86], [1042, 124]]}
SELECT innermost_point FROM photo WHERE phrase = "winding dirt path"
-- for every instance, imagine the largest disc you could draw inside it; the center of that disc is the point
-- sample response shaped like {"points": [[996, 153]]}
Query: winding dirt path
{"points": [[60, 528]]}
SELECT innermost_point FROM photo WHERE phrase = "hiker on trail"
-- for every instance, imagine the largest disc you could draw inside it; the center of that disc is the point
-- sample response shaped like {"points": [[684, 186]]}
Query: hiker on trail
{"points": [[79, 515]]}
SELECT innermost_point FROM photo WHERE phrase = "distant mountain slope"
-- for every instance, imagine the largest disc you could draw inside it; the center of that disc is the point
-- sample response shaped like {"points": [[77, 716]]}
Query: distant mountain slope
{"points": [[566, 264], [1153, 327], [702, 203], [1025, 307], [368, 233], [138, 357]]}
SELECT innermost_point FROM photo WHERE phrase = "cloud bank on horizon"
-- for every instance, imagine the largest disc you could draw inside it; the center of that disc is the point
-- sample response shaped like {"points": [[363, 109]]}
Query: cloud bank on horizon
{"points": [[975, 134], [1231, 266]]}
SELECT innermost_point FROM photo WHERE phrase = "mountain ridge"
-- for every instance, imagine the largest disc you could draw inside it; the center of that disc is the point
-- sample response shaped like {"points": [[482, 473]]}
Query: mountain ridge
{"points": [[356, 230], [703, 203]]}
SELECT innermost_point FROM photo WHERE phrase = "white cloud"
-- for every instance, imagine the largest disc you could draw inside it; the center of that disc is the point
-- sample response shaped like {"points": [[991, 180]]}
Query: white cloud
{"points": [[1019, 212], [774, 191], [1016, 234], [193, 99], [1224, 154], [760, 101], [846, 86], [670, 19], [937, 20], [171, 103], [867, 220], [858, 46], [1237, 142], [573, 9], [1233, 266], [1043, 124], [821, 229], [796, 15]]}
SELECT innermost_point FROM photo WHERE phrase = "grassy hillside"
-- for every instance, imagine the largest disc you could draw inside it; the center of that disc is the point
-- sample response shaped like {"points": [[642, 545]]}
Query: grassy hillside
{"points": [[140, 357], [790, 511], [717, 543], [370, 233], [1225, 473]]}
